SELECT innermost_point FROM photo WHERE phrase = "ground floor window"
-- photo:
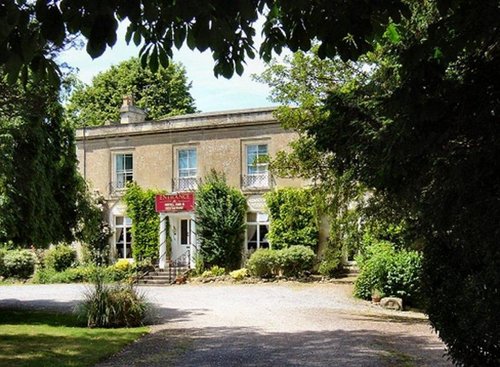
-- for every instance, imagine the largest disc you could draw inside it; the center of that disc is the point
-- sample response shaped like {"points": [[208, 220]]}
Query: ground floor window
{"points": [[257, 229], [123, 237]]}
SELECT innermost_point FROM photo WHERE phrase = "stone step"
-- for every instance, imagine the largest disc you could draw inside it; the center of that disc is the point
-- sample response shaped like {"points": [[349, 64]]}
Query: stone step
{"points": [[345, 280], [157, 277], [154, 282]]}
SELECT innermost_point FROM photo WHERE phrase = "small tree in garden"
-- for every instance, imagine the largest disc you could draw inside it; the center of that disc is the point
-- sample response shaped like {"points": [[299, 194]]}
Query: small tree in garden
{"points": [[220, 223], [92, 230]]}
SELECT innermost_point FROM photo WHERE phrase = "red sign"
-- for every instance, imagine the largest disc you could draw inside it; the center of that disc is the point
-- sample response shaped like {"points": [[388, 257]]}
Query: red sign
{"points": [[181, 202]]}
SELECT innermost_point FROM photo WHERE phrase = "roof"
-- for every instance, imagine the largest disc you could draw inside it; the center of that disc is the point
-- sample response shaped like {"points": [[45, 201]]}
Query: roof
{"points": [[195, 121]]}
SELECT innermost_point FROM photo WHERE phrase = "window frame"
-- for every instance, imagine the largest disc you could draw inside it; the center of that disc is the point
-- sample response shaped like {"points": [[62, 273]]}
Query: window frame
{"points": [[189, 158], [257, 166], [126, 227], [258, 224], [127, 174]]}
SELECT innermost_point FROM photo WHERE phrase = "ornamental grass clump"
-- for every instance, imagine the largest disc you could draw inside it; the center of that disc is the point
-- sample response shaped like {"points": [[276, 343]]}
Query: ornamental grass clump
{"points": [[113, 305]]}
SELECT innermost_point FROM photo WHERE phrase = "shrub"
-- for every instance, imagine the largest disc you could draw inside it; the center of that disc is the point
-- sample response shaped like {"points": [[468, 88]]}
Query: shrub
{"points": [[2, 266], [119, 271], [263, 263], [404, 276], [60, 257], [292, 261], [18, 264], [394, 273], [294, 218], [215, 271], [199, 264], [331, 263], [239, 274], [122, 265], [112, 305], [295, 260], [70, 275], [220, 223]]}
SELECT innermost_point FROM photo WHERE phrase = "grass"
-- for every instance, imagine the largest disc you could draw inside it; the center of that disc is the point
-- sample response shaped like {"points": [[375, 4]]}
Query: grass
{"points": [[39, 339]]}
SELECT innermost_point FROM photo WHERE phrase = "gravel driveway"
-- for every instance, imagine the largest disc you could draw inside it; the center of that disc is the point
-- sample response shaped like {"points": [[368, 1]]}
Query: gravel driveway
{"points": [[286, 324]]}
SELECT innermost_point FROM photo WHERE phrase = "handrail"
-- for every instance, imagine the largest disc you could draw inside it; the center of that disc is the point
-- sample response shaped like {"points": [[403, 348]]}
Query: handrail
{"points": [[175, 265]]}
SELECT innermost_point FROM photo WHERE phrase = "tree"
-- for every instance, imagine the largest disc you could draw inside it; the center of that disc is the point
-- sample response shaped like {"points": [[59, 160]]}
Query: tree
{"points": [[161, 93], [220, 222], [300, 83], [424, 131], [226, 28], [39, 184]]}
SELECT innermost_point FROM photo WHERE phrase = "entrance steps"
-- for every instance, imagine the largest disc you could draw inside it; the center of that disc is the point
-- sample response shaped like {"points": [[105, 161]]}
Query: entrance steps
{"points": [[162, 277], [351, 273]]}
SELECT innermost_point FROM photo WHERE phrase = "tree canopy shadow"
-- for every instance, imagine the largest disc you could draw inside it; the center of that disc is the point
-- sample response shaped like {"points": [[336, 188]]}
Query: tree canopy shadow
{"points": [[225, 346]]}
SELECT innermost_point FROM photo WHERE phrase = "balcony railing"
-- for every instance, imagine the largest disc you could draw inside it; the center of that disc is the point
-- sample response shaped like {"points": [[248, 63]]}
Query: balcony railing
{"points": [[117, 188], [185, 184], [256, 181]]}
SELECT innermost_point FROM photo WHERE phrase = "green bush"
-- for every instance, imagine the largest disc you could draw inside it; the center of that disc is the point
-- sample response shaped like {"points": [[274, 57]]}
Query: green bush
{"points": [[220, 222], [215, 271], [331, 263], [71, 275], [292, 261], [2, 266], [199, 264], [263, 263], [18, 264], [60, 257], [114, 305], [294, 218], [394, 273], [296, 260]]}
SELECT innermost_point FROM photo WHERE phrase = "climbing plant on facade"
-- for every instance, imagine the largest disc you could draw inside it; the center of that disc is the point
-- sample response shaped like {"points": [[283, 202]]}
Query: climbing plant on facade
{"points": [[294, 218], [145, 221]]}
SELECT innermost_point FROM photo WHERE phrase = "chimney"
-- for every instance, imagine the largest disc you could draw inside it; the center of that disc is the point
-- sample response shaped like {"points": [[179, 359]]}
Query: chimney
{"points": [[130, 113]]}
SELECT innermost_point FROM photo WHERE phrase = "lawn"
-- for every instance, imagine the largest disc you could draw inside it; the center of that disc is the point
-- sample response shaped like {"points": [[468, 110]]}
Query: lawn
{"points": [[35, 338]]}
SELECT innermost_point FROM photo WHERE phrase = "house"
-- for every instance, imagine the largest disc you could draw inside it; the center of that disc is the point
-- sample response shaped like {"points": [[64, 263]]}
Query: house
{"points": [[173, 154]]}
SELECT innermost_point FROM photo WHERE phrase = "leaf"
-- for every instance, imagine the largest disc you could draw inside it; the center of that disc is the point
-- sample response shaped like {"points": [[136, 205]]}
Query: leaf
{"points": [[163, 57], [137, 38], [179, 36], [96, 47], [392, 34], [153, 60]]}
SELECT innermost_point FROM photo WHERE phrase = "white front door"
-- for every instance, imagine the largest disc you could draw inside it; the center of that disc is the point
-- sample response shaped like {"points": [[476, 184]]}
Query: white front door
{"points": [[181, 240]]}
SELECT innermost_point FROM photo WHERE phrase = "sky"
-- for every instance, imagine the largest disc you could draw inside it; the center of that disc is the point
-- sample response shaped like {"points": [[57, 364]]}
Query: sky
{"points": [[210, 93]]}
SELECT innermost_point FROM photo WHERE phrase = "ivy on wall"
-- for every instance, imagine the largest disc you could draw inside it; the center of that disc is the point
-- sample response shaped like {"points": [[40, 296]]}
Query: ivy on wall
{"points": [[145, 221], [294, 218]]}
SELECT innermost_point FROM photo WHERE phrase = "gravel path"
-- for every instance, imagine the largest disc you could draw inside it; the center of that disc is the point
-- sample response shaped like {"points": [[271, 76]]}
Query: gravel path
{"points": [[285, 324]]}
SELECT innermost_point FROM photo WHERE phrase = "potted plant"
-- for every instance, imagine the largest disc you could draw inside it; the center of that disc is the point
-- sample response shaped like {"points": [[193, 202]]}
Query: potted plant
{"points": [[377, 295]]}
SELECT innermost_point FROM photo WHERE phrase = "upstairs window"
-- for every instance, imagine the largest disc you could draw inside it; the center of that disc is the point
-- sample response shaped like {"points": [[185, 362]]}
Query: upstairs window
{"points": [[187, 170], [257, 174], [124, 168], [187, 162]]}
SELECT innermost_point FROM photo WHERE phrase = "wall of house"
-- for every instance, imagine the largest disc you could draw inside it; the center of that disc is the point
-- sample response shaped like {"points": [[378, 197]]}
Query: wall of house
{"points": [[154, 150], [220, 140]]}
